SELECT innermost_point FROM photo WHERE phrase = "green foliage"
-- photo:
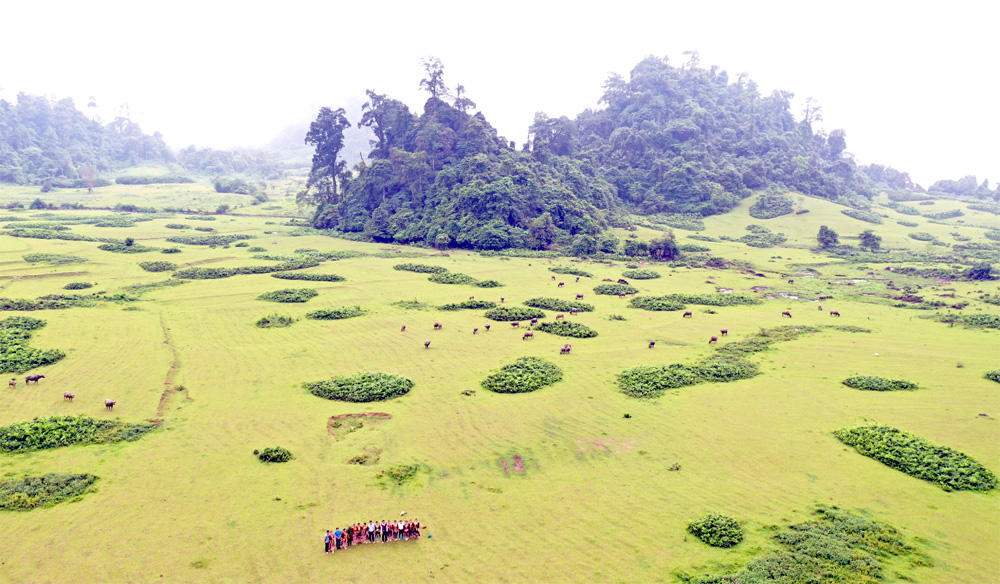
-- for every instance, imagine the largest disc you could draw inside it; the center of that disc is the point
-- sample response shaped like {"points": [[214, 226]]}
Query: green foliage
{"points": [[205, 229], [655, 303], [906, 209], [827, 237], [991, 321], [126, 248], [523, 375], [37, 225], [945, 215], [980, 271], [197, 273], [870, 383], [487, 284], [570, 271], [714, 299], [921, 236], [150, 180], [771, 205], [47, 490], [274, 320], [558, 304], [275, 454], [717, 530], [399, 475], [336, 313], [78, 286], [57, 431], [863, 215], [209, 239], [15, 354], [308, 276], [362, 387], [949, 469], [907, 223], [566, 328], [469, 304], [289, 295], [761, 236], [158, 266], [512, 313], [993, 375], [171, 250], [451, 278], [615, 289], [24, 323], [725, 368], [48, 234], [649, 381], [177, 226], [420, 268], [641, 274], [693, 248], [867, 239], [688, 222], [52, 258]]}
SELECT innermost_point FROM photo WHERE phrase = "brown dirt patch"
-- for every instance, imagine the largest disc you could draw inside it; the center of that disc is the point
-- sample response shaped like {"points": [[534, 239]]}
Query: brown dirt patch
{"points": [[342, 425]]}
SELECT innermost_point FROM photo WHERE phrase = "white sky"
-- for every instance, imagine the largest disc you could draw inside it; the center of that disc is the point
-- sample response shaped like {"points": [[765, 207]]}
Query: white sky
{"points": [[914, 84]]}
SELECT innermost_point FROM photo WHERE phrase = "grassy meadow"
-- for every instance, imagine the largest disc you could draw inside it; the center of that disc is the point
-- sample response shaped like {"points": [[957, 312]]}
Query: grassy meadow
{"points": [[596, 502]]}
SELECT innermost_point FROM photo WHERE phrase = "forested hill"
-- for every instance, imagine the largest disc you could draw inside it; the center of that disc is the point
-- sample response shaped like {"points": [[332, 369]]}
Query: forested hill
{"points": [[670, 139]]}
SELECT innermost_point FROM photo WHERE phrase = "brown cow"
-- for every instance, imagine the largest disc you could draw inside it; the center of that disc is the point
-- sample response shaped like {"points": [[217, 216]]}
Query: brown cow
{"points": [[501, 299], [438, 326], [560, 316], [12, 383], [427, 344], [821, 307], [534, 321], [475, 330], [791, 281], [578, 278], [33, 377], [403, 330], [528, 335], [724, 332], [579, 296], [67, 396], [561, 284], [688, 314], [565, 349], [621, 281], [553, 277], [786, 313], [573, 311], [472, 297], [714, 339], [621, 295], [834, 313], [651, 344], [515, 324], [487, 328], [109, 404]]}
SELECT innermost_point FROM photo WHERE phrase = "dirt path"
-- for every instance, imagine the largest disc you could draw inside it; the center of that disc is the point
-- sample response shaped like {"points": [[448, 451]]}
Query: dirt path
{"points": [[170, 386]]}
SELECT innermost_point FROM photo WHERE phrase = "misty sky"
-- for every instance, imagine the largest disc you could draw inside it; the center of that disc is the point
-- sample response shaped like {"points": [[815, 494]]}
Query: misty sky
{"points": [[913, 84]]}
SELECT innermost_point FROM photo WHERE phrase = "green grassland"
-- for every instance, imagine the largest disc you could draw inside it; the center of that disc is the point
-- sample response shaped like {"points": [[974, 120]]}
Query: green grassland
{"points": [[188, 502]]}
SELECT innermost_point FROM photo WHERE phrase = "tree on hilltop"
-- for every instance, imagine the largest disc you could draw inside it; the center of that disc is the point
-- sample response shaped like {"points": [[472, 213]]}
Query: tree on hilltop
{"points": [[327, 135]]}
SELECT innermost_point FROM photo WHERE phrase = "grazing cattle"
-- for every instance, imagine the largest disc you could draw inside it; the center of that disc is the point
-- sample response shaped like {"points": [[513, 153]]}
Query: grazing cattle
{"points": [[501, 299], [403, 330], [579, 296], [621, 281], [515, 324], [578, 278], [573, 311], [834, 313], [714, 339], [553, 277], [438, 325], [34, 378], [791, 281], [724, 332], [565, 349], [472, 297], [12, 383], [607, 280], [67, 396], [109, 404], [621, 295], [427, 344], [688, 314], [560, 315], [821, 307], [487, 328], [786, 313], [652, 344], [475, 330], [561, 284], [528, 335]]}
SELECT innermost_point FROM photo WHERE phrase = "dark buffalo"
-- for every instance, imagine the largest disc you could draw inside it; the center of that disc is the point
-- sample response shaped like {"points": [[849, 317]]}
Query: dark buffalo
{"points": [[109, 404], [67, 396], [475, 330], [403, 330], [834, 313], [791, 281], [724, 332], [621, 281], [579, 296], [573, 311], [487, 328], [534, 321], [565, 349], [560, 316], [561, 284], [528, 335], [652, 344], [515, 324], [438, 326], [688, 314], [427, 344], [714, 339], [786, 313], [34, 378], [578, 278]]}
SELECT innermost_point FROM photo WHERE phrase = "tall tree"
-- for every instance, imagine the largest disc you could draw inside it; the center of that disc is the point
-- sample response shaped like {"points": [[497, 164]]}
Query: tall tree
{"points": [[827, 237], [326, 133], [462, 103], [434, 82]]}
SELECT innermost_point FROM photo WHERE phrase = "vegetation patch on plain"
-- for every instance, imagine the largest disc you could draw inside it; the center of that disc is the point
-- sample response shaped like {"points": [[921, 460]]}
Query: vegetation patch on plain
{"points": [[338, 313], [566, 328], [289, 295], [468, 305], [513, 313], [559, 305], [523, 375], [717, 530], [872, 383], [29, 493], [15, 354], [57, 431], [362, 387]]}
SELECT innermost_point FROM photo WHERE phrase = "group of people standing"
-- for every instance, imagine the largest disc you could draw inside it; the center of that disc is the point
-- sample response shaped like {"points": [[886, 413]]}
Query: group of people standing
{"points": [[370, 532]]}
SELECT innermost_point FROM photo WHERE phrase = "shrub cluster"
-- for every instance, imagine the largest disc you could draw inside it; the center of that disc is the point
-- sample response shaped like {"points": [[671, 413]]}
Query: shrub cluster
{"points": [[977, 320], [363, 387], [763, 237], [646, 381], [15, 354], [863, 215], [116, 222], [907, 223], [308, 276], [204, 228], [993, 375], [487, 284], [769, 206], [688, 222], [158, 266], [208, 239], [43, 433], [945, 214], [571, 272], [565, 328], [52, 258], [693, 247], [870, 383], [921, 236], [468, 304], [655, 303], [336, 313], [714, 299], [641, 274], [37, 225], [177, 226], [29, 493], [615, 289], [171, 250], [420, 268], [274, 454], [949, 469], [124, 248], [25, 323], [289, 295], [48, 234], [717, 530], [558, 304], [197, 273], [451, 278], [148, 180], [511, 313], [274, 320], [906, 210], [78, 286], [523, 375]]}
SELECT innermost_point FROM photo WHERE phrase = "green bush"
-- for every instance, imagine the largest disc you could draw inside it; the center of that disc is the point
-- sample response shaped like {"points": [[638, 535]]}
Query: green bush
{"points": [[648, 381], [308, 276], [57, 431], [37, 225], [949, 469], [158, 266], [420, 268], [274, 321], [655, 303], [523, 375], [451, 278], [700, 237], [714, 299], [177, 226], [724, 369], [717, 530], [641, 274], [978, 320], [289, 295], [487, 284], [761, 236], [52, 258], [571, 272], [993, 375], [907, 223], [863, 215], [945, 214], [869, 383], [158, 179], [171, 250], [78, 286], [566, 328], [256, 249], [769, 206], [614, 289], [15, 354], [469, 305], [241, 244], [25, 323], [29, 493], [48, 234], [125, 248], [921, 236], [906, 210], [511, 313], [558, 304], [693, 247], [336, 313], [363, 387], [208, 239], [275, 454], [197, 273]]}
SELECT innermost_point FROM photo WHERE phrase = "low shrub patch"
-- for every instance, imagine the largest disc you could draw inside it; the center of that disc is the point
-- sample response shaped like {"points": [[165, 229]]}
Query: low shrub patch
{"points": [[870, 383], [209, 239], [689, 222], [863, 215], [310, 276], [975, 320], [30, 493], [655, 303], [48, 234], [124, 248], [274, 321], [204, 228], [25, 323], [762, 237], [256, 249], [158, 266], [487, 284], [949, 469], [451, 278], [15, 354], [420, 268], [38, 225], [721, 368], [693, 247], [171, 250], [399, 475], [647, 381], [714, 299], [615, 289], [363, 387], [565, 328], [511, 313], [177, 226], [523, 375], [907, 223], [993, 375], [769, 206], [274, 454], [335, 313], [197, 273], [468, 305], [78, 286], [717, 530], [921, 236], [945, 214], [289, 295], [52, 258], [571, 271], [57, 431], [641, 274], [558, 305]]}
